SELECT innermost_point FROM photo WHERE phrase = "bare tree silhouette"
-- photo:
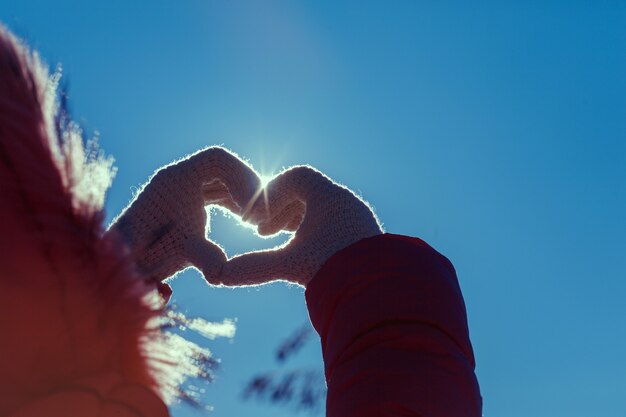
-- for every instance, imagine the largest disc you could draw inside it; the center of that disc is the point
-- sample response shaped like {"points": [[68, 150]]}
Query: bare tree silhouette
{"points": [[301, 389]]}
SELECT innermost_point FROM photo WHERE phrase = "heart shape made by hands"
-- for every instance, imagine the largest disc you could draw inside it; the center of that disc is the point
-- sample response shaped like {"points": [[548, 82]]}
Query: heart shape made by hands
{"points": [[324, 216], [167, 223]]}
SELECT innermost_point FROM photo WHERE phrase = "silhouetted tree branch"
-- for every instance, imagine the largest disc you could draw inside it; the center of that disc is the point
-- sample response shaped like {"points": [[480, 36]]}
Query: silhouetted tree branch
{"points": [[303, 389]]}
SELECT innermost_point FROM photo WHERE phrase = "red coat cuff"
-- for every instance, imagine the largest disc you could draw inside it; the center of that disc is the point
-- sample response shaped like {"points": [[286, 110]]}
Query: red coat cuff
{"points": [[392, 322]]}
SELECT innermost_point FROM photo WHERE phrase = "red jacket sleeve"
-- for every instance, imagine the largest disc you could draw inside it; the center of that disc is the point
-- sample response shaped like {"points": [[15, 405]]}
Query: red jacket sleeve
{"points": [[394, 332]]}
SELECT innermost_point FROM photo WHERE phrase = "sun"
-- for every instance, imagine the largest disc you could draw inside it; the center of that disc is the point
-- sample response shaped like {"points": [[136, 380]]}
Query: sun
{"points": [[265, 179]]}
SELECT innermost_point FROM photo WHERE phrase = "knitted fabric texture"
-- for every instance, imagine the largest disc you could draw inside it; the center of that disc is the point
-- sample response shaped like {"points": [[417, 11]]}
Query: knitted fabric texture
{"points": [[166, 224], [326, 217]]}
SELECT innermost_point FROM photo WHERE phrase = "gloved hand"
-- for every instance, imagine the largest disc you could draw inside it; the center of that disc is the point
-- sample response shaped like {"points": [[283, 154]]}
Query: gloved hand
{"points": [[326, 217], [165, 225]]}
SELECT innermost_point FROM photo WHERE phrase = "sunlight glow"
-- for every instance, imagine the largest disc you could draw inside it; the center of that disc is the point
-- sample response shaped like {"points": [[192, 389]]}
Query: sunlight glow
{"points": [[265, 179]]}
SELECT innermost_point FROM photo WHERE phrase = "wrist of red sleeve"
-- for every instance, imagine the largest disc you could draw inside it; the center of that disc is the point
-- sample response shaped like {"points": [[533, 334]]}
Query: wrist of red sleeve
{"points": [[393, 328]]}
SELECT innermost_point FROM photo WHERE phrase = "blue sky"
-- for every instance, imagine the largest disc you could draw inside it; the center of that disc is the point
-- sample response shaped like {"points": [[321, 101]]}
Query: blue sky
{"points": [[495, 132]]}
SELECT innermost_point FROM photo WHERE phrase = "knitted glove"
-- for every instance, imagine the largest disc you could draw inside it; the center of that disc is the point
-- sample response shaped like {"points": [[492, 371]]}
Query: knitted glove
{"points": [[326, 217], [166, 224]]}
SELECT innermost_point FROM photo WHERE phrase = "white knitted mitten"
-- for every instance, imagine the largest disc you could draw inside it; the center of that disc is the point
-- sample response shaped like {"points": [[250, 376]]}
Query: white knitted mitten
{"points": [[327, 217], [166, 224]]}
